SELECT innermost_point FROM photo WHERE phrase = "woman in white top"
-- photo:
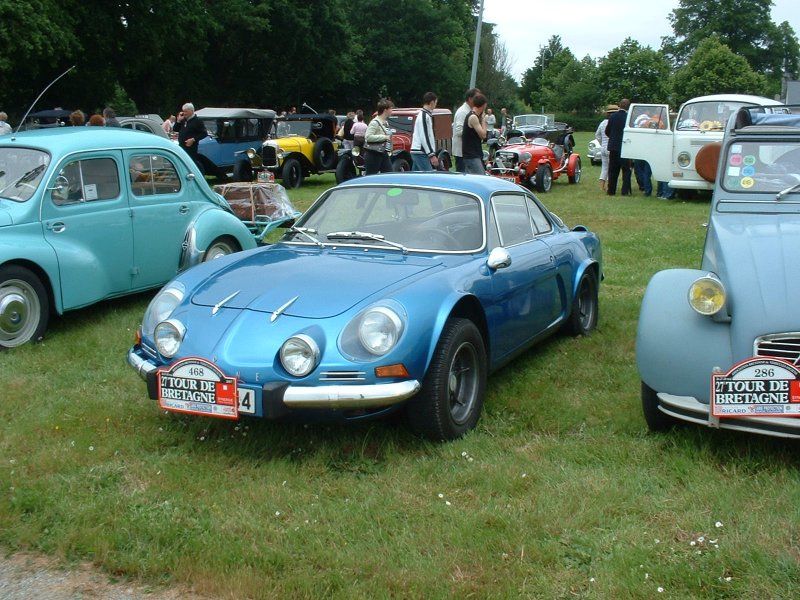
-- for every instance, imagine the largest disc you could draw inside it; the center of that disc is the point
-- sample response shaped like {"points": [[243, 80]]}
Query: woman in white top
{"points": [[602, 139]]}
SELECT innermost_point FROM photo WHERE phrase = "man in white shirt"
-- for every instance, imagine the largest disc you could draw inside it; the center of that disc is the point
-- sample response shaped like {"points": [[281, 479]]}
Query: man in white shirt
{"points": [[458, 127], [423, 142]]}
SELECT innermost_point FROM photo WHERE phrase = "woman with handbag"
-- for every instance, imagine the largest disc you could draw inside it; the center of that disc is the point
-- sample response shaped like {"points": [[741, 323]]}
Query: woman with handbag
{"points": [[378, 140]]}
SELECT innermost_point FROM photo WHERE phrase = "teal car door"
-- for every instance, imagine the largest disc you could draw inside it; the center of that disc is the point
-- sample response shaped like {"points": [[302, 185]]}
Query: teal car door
{"points": [[163, 209], [526, 291], [86, 219]]}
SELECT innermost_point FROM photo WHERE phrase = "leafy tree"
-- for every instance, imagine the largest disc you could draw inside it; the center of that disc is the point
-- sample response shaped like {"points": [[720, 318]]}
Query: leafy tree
{"points": [[573, 88], [635, 72], [744, 26], [494, 70], [715, 69], [532, 78]]}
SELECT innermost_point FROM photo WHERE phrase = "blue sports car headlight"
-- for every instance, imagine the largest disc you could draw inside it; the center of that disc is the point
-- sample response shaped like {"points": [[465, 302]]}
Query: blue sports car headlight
{"points": [[379, 330], [161, 307], [169, 336], [299, 355]]}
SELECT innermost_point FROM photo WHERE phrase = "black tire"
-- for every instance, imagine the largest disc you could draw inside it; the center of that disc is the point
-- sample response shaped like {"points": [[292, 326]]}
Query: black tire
{"points": [[544, 178], [400, 165], [325, 156], [585, 306], [576, 176], [655, 419], [292, 174], [219, 248], [242, 171], [24, 307], [451, 399], [345, 169]]}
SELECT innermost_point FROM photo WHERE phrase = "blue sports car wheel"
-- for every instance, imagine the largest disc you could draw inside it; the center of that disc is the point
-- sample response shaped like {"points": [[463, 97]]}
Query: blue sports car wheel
{"points": [[452, 394]]}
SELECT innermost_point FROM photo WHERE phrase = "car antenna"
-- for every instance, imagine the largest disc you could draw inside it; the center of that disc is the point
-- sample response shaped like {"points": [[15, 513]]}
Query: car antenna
{"points": [[309, 108], [40, 95]]}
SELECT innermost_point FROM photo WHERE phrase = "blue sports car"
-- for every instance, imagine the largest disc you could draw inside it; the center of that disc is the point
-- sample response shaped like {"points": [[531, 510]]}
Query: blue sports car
{"points": [[394, 291]]}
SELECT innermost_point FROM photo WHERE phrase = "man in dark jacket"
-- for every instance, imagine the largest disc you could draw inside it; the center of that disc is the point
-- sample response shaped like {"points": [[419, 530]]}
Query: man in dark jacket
{"points": [[190, 129], [614, 131]]}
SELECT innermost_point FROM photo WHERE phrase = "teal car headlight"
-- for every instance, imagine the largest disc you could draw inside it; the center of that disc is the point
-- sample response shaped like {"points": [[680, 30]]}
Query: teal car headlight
{"points": [[161, 307], [707, 295], [299, 355], [379, 330], [168, 336]]}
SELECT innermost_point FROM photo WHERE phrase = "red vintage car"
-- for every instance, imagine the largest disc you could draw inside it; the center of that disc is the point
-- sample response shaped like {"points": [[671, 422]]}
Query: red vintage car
{"points": [[536, 162]]}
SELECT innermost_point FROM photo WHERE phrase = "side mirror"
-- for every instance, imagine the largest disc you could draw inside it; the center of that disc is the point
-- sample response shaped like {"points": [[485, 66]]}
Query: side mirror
{"points": [[61, 184], [499, 258]]}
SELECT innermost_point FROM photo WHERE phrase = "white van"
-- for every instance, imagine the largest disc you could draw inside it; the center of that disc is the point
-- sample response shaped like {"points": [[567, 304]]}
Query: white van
{"points": [[671, 147]]}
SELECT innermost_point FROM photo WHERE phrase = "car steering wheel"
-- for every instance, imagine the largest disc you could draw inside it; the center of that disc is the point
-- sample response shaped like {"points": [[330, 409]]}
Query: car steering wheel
{"points": [[434, 239]]}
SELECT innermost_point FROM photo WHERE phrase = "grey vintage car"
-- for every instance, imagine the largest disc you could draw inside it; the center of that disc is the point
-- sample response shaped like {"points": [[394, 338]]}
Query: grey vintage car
{"points": [[720, 345]]}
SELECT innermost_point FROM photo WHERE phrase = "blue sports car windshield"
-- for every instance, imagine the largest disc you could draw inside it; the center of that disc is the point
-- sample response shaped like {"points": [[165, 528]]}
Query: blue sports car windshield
{"points": [[21, 171], [400, 218]]}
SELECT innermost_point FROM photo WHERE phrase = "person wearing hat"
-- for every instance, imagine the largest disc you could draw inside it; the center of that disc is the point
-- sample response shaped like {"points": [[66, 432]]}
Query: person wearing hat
{"points": [[602, 139], [614, 131]]}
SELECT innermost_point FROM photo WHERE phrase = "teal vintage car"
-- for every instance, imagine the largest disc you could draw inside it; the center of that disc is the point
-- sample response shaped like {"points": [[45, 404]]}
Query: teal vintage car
{"points": [[89, 213]]}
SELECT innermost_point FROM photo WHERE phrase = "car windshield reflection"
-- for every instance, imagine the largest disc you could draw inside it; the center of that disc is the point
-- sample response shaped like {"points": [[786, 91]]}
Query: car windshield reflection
{"points": [[395, 218], [753, 167], [21, 172]]}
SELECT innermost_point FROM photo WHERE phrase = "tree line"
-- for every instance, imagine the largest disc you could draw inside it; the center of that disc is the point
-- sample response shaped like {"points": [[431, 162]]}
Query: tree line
{"points": [[151, 56]]}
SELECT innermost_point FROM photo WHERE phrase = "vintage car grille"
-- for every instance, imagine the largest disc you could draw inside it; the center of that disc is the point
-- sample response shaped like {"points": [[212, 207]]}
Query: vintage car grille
{"points": [[343, 376], [781, 345], [269, 156], [505, 160]]}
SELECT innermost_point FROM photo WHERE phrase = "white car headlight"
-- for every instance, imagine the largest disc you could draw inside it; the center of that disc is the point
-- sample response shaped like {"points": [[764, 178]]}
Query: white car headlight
{"points": [[161, 307], [707, 295], [299, 355], [168, 336], [379, 330]]}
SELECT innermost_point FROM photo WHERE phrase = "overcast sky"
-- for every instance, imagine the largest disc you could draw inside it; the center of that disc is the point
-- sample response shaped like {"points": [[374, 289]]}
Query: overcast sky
{"points": [[591, 27]]}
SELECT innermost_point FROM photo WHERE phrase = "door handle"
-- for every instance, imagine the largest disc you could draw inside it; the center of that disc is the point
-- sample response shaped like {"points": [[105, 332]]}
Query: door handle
{"points": [[56, 227], [183, 209]]}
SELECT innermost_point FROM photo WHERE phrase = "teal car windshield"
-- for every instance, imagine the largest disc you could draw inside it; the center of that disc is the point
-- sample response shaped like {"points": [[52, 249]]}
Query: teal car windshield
{"points": [[21, 172], [762, 166], [405, 218]]}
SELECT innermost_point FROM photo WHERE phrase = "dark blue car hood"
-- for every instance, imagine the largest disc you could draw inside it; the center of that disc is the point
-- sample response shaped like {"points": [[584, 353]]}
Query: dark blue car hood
{"points": [[325, 283]]}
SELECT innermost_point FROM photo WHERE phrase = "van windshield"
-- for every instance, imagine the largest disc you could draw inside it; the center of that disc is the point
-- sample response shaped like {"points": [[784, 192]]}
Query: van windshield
{"points": [[708, 115]]}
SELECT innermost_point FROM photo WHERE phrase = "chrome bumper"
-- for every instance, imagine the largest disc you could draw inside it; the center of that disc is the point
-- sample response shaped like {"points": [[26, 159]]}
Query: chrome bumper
{"points": [[688, 408], [322, 396]]}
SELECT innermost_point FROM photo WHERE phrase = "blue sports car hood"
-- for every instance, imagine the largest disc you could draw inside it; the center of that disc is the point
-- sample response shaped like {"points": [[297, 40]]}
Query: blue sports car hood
{"points": [[315, 284], [758, 259]]}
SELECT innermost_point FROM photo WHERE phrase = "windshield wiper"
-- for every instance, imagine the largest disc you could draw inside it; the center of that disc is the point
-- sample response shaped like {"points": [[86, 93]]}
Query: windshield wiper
{"points": [[307, 232], [364, 235], [789, 190], [29, 176]]}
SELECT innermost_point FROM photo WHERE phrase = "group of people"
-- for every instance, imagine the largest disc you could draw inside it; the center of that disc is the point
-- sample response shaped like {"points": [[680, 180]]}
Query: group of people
{"points": [[108, 118], [471, 124], [609, 135]]}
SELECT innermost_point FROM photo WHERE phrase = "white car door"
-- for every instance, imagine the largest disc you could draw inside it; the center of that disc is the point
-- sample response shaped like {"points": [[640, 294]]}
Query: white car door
{"points": [[648, 136]]}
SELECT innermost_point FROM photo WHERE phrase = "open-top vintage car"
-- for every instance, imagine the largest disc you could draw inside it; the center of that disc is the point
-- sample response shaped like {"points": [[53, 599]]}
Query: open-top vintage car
{"points": [[536, 162], [88, 213], [392, 292], [720, 345]]}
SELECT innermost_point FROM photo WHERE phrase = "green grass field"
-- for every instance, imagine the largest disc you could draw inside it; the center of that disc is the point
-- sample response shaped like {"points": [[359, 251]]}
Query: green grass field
{"points": [[560, 492]]}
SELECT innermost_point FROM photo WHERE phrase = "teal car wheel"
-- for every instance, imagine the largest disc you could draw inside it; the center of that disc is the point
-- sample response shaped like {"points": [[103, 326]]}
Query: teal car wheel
{"points": [[24, 307], [220, 247]]}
